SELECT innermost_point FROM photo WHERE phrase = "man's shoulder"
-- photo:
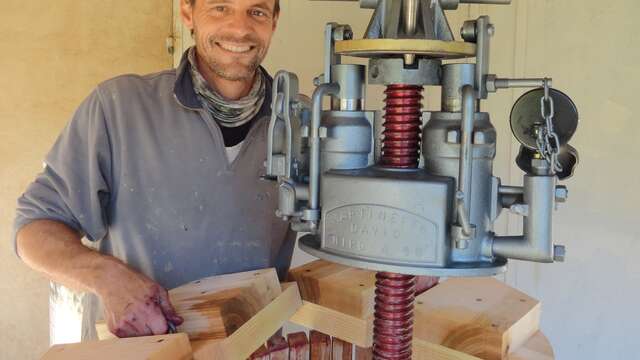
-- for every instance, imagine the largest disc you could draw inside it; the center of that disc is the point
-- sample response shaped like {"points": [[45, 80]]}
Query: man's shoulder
{"points": [[133, 85]]}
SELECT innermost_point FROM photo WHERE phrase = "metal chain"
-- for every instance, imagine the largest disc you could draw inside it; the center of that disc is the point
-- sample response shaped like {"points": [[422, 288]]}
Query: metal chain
{"points": [[547, 140]]}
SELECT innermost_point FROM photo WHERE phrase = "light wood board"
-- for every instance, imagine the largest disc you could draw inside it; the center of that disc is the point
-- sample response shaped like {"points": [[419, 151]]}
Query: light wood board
{"points": [[342, 288], [255, 332], [162, 347], [478, 316], [215, 307]]}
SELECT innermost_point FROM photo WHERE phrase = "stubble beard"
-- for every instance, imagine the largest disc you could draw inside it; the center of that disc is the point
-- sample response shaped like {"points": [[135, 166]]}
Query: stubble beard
{"points": [[239, 70]]}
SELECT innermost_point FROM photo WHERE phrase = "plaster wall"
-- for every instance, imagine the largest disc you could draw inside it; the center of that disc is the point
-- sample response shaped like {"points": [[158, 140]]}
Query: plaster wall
{"points": [[54, 53]]}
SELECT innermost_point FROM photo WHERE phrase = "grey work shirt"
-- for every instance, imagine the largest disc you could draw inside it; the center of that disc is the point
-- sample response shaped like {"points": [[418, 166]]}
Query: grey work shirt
{"points": [[141, 171]]}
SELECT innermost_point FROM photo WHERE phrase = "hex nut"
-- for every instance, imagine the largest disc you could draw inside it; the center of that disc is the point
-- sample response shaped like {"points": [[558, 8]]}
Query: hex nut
{"points": [[558, 253], [562, 193], [453, 136]]}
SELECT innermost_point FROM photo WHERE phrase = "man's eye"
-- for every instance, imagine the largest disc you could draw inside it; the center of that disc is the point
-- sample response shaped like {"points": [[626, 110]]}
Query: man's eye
{"points": [[220, 8], [258, 13]]}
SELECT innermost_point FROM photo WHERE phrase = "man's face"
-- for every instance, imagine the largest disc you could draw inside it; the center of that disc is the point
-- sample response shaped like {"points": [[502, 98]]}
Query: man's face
{"points": [[232, 36]]}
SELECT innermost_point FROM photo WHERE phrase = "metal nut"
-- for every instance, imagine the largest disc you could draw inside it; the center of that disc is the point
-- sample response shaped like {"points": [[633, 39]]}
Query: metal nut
{"points": [[479, 138], [562, 193], [453, 137], [491, 30], [468, 32], [491, 83], [558, 253]]}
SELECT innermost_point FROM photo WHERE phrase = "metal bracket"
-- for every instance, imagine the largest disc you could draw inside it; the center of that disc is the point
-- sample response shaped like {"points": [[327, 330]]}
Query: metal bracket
{"points": [[285, 89]]}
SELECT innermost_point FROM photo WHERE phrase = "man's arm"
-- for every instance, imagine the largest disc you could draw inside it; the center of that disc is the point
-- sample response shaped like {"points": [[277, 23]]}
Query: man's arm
{"points": [[69, 200], [134, 304]]}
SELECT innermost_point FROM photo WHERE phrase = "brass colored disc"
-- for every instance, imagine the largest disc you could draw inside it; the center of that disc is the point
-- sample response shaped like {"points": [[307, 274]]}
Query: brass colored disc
{"points": [[436, 49]]}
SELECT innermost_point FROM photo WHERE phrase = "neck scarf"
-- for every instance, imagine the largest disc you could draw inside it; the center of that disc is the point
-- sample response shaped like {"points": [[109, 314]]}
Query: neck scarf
{"points": [[228, 113]]}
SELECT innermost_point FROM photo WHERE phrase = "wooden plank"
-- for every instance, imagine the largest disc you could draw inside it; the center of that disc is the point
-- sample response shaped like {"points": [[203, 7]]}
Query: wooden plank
{"points": [[341, 350], [254, 332], [162, 347], [261, 354], [278, 348], [479, 316], [363, 353], [298, 346], [320, 345], [537, 348], [349, 328], [423, 350], [215, 307], [338, 287]]}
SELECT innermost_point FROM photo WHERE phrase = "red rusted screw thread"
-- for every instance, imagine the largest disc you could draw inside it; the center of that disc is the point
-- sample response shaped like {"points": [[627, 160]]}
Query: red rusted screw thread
{"points": [[393, 323], [395, 293], [403, 113]]}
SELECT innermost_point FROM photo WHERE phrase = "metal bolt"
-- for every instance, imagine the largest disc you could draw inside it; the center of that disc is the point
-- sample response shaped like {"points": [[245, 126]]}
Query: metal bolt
{"points": [[348, 35], [453, 137], [462, 244], [540, 167], [562, 193], [468, 32], [317, 80], [491, 30], [375, 71], [491, 83], [479, 138], [558, 253], [520, 209]]}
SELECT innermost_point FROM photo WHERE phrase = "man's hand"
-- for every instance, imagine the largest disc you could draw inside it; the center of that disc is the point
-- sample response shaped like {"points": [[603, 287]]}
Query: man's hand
{"points": [[424, 283], [135, 305]]}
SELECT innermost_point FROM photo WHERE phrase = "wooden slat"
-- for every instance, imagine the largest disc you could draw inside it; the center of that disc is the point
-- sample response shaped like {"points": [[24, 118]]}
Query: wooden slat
{"points": [[338, 287], [254, 332], [423, 350], [278, 348], [341, 350], [298, 346], [320, 345], [481, 316], [162, 347], [261, 354], [363, 353], [214, 307], [352, 329]]}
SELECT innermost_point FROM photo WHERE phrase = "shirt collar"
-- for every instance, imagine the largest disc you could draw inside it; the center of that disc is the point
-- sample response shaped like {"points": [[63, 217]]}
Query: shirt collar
{"points": [[187, 97]]}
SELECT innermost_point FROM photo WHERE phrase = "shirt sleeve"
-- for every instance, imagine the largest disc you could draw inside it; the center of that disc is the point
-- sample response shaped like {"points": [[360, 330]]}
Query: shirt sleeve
{"points": [[74, 187]]}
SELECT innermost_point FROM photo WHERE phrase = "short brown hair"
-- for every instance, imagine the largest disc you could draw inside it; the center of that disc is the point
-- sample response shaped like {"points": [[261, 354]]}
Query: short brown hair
{"points": [[276, 8]]}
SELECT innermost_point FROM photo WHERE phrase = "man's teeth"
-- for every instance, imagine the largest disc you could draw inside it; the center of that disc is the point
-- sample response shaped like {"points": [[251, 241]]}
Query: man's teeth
{"points": [[235, 48]]}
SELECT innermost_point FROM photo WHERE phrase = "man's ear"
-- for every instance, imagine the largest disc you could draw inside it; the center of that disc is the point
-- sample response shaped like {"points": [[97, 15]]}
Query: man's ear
{"points": [[186, 13], [275, 21]]}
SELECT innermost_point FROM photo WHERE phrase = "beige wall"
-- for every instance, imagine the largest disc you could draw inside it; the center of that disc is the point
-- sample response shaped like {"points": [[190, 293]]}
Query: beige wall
{"points": [[54, 53]]}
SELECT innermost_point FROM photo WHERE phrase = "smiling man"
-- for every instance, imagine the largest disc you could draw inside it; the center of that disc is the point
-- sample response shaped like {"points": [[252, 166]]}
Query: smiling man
{"points": [[160, 175]]}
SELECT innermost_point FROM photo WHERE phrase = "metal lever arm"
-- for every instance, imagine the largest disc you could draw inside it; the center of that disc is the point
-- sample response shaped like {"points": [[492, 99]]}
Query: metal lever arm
{"points": [[314, 141], [463, 197]]}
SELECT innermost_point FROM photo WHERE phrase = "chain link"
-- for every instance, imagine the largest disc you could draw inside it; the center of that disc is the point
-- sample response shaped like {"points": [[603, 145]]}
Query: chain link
{"points": [[547, 140]]}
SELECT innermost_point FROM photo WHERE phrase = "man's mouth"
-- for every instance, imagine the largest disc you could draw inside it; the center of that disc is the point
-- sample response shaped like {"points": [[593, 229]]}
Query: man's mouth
{"points": [[235, 48]]}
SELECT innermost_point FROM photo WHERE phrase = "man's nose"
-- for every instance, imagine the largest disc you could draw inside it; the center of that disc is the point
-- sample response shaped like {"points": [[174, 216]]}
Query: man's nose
{"points": [[240, 24]]}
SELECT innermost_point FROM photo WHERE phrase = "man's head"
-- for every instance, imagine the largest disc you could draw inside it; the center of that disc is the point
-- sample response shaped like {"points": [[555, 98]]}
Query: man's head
{"points": [[232, 36]]}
